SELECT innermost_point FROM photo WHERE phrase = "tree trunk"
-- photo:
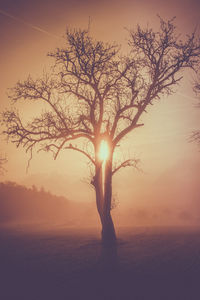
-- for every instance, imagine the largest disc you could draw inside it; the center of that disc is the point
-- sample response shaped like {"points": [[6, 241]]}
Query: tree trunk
{"points": [[103, 201], [108, 231]]}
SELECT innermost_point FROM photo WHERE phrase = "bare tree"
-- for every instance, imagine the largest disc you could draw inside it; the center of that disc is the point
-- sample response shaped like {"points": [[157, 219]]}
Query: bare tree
{"points": [[3, 160], [93, 94], [195, 137]]}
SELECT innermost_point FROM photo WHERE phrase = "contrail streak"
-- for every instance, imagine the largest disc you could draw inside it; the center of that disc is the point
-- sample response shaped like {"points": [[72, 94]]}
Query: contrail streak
{"points": [[59, 37], [28, 24]]}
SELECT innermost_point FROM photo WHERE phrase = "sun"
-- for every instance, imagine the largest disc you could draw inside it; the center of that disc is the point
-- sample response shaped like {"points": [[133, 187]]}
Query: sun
{"points": [[103, 151]]}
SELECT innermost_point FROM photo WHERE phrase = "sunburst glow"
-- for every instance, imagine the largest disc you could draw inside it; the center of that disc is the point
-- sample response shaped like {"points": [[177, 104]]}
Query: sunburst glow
{"points": [[103, 155], [104, 150]]}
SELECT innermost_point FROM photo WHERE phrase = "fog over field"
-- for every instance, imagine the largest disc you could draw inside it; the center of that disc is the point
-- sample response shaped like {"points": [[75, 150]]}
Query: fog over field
{"points": [[172, 198], [159, 207]]}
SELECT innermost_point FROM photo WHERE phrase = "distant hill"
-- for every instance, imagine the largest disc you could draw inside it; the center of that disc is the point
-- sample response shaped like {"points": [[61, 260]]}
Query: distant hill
{"points": [[21, 204], [18, 202]]}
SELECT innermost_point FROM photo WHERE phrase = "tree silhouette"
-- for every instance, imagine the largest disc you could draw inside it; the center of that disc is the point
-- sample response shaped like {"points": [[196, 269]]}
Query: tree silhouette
{"points": [[94, 94], [3, 160], [195, 137]]}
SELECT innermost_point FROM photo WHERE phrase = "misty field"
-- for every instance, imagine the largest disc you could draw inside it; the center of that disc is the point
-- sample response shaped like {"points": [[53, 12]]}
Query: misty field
{"points": [[68, 263]]}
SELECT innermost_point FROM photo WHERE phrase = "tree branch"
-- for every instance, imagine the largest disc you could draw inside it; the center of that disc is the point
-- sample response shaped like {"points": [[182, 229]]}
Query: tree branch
{"points": [[126, 163], [71, 147]]}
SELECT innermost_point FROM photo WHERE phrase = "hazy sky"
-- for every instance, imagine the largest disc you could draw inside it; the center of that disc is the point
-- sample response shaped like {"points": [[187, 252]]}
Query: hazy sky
{"points": [[29, 29]]}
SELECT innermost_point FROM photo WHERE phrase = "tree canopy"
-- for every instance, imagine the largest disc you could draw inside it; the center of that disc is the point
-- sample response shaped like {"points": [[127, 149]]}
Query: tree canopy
{"points": [[92, 90]]}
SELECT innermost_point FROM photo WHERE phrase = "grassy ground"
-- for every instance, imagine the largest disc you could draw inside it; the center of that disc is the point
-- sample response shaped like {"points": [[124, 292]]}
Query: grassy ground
{"points": [[61, 263]]}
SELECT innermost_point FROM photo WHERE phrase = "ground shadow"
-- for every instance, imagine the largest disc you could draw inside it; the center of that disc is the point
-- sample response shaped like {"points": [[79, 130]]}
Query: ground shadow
{"points": [[66, 265]]}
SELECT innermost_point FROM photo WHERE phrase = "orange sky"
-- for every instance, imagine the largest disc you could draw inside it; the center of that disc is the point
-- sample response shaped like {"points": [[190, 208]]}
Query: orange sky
{"points": [[167, 159]]}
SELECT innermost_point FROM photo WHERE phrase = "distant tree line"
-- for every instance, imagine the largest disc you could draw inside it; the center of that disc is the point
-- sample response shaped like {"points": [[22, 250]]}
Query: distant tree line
{"points": [[18, 203]]}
